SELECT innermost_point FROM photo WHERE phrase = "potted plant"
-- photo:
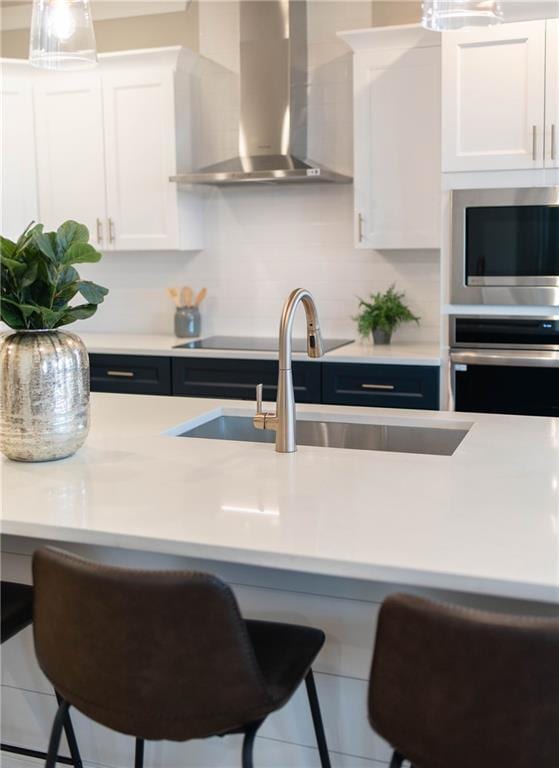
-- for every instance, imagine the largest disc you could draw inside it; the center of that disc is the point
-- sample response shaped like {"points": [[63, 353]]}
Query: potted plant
{"points": [[383, 314], [44, 389]]}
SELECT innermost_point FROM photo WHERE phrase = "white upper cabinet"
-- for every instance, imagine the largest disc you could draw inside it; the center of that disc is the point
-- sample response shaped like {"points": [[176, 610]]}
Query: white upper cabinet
{"points": [[140, 155], [106, 145], [18, 189], [493, 106], [397, 167], [70, 151], [552, 95]]}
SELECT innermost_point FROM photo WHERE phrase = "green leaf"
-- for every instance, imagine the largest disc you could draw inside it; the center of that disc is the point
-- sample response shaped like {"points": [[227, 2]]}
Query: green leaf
{"points": [[17, 268], [44, 243], [27, 236], [92, 293], [81, 312], [10, 315], [68, 275], [80, 253], [71, 232], [7, 248], [67, 286], [30, 275], [51, 317], [65, 294], [47, 272], [26, 309]]}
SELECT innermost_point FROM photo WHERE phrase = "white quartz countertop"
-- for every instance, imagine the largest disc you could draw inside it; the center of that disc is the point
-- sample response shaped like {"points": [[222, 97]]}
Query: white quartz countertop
{"points": [[356, 352], [485, 520]]}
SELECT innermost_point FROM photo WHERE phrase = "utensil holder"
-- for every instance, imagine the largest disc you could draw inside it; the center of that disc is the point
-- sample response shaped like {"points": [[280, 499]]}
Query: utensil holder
{"points": [[188, 322]]}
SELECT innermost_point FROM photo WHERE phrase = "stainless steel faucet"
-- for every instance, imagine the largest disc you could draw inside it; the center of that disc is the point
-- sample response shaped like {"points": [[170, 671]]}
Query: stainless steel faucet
{"points": [[283, 421]]}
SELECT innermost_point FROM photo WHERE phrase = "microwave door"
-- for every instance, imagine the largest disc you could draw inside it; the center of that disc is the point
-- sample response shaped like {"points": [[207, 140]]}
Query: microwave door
{"points": [[505, 246]]}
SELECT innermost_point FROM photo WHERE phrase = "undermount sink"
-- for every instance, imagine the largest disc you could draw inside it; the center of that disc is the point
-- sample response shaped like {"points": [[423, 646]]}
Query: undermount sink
{"points": [[440, 441]]}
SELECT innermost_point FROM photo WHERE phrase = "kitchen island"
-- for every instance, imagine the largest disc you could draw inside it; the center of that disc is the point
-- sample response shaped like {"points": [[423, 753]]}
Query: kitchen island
{"points": [[318, 537]]}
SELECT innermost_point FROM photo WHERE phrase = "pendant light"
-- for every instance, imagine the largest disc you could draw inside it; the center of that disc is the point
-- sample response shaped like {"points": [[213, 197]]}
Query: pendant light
{"points": [[62, 36], [441, 15]]}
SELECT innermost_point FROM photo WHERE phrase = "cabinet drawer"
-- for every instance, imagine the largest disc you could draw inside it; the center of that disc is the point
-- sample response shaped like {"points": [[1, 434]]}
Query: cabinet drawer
{"points": [[383, 386], [141, 375], [237, 379]]}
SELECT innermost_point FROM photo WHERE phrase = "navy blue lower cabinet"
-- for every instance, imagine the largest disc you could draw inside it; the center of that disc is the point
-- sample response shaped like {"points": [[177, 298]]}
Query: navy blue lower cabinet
{"points": [[226, 378], [381, 386], [130, 374]]}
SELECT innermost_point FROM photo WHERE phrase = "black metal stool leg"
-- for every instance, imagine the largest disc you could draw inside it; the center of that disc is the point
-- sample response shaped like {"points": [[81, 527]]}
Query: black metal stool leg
{"points": [[56, 733], [70, 736], [397, 760], [317, 720], [139, 754], [248, 744]]}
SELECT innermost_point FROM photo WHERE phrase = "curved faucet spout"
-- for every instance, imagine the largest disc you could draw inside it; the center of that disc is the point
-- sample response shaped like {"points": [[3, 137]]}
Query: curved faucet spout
{"points": [[314, 338], [283, 421]]}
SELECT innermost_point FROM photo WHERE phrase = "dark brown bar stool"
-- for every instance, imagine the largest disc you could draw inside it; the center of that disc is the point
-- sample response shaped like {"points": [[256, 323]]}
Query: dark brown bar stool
{"points": [[454, 687], [17, 613], [164, 654]]}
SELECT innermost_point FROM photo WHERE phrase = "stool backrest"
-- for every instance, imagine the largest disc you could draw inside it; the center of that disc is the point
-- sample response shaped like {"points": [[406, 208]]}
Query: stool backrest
{"points": [[154, 654], [457, 687]]}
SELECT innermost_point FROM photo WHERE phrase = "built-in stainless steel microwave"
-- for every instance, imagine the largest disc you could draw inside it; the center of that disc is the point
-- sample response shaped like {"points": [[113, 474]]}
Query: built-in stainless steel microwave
{"points": [[505, 246]]}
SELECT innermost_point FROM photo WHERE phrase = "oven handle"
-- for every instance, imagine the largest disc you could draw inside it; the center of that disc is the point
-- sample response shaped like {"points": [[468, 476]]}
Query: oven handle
{"points": [[521, 358]]}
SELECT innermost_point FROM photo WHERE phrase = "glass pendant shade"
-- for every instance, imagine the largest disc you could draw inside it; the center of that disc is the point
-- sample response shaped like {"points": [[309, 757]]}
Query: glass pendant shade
{"points": [[441, 15], [62, 36]]}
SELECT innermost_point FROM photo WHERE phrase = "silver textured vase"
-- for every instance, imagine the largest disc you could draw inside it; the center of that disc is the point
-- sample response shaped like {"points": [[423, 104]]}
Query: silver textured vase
{"points": [[44, 395]]}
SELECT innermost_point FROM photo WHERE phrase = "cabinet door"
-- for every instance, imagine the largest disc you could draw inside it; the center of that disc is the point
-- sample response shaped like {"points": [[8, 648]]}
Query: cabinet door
{"points": [[130, 374], [493, 97], [397, 148], [381, 386], [70, 152], [18, 190], [552, 94], [237, 379], [140, 145]]}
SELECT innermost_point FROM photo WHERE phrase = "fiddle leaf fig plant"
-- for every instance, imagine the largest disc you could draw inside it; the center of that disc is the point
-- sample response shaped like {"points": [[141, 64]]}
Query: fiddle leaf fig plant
{"points": [[38, 280], [385, 312]]}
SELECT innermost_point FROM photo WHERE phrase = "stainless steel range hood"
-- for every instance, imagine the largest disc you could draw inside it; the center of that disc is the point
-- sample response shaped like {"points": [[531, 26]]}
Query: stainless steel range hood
{"points": [[273, 121]]}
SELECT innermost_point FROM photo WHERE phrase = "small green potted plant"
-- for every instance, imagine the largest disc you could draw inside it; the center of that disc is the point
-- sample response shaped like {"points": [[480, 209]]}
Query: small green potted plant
{"points": [[44, 388], [383, 314]]}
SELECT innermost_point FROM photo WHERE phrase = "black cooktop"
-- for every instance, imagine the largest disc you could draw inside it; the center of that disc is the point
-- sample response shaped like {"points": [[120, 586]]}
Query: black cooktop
{"points": [[256, 344]]}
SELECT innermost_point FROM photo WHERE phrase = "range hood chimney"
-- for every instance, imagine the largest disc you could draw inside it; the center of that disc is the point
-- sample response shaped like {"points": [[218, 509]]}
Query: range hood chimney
{"points": [[272, 131]]}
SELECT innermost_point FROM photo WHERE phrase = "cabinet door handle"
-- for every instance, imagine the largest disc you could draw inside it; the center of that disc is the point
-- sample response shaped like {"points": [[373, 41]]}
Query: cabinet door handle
{"points": [[360, 227], [553, 146], [534, 143], [111, 231], [99, 231], [377, 386], [122, 374]]}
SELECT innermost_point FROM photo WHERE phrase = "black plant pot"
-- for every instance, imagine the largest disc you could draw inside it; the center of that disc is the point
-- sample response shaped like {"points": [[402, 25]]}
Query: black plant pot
{"points": [[381, 336]]}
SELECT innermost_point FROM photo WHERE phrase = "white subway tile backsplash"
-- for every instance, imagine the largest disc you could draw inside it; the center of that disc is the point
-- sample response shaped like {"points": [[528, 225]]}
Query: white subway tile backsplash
{"points": [[262, 242]]}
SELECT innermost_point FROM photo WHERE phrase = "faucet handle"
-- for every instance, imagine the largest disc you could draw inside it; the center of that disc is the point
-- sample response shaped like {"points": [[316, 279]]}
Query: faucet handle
{"points": [[259, 420]]}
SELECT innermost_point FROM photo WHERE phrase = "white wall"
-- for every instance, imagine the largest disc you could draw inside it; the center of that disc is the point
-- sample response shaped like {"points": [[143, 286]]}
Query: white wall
{"points": [[265, 240]]}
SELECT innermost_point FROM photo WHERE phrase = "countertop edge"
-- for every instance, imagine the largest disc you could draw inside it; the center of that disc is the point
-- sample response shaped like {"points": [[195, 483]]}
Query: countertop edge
{"points": [[544, 593]]}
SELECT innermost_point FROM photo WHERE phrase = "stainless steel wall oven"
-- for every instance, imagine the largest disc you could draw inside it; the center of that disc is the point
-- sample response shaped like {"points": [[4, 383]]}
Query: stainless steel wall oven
{"points": [[505, 365], [505, 246]]}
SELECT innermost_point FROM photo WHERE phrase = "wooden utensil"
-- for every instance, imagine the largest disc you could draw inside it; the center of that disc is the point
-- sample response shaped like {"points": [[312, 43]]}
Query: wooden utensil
{"points": [[186, 296], [173, 294], [201, 296]]}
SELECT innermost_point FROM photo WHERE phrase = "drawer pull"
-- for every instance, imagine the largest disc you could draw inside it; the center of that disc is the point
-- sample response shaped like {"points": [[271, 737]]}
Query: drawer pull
{"points": [[123, 374], [377, 386]]}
